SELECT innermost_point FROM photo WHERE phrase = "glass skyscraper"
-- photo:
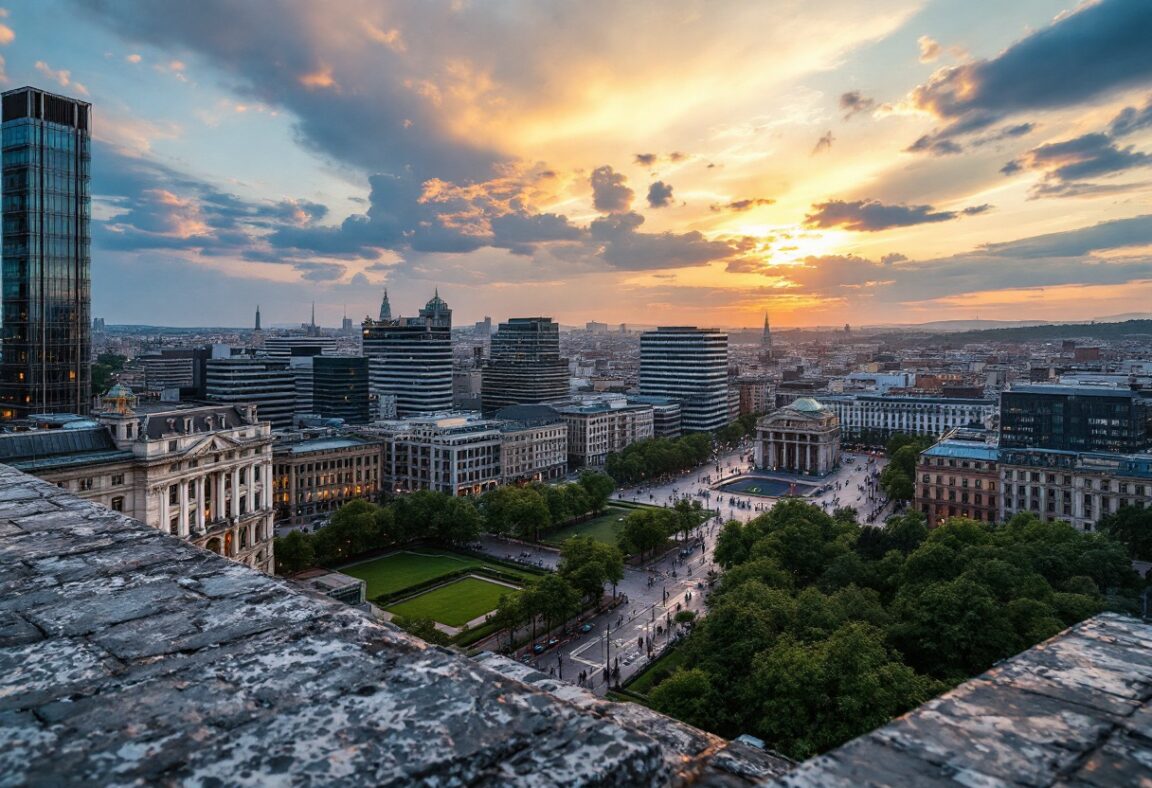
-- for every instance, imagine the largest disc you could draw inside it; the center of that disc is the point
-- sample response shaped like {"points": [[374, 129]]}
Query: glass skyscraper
{"points": [[46, 259]]}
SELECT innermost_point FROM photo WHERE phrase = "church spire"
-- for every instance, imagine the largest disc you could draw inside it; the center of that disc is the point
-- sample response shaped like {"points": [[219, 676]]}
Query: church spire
{"points": [[385, 307], [257, 317]]}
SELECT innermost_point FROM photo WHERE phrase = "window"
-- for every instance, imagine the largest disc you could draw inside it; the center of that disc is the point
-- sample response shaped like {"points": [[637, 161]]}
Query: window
{"points": [[118, 503], [117, 480], [85, 484], [173, 445]]}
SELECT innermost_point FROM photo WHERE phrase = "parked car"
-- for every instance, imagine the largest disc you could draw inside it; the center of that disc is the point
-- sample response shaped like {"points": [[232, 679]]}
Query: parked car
{"points": [[538, 648], [587, 627]]}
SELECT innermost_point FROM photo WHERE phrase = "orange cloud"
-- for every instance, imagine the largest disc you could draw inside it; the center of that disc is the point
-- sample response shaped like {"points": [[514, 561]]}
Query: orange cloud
{"points": [[321, 78]]}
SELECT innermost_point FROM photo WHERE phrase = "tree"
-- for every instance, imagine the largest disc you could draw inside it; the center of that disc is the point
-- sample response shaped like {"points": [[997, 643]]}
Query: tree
{"points": [[587, 565], [687, 695], [293, 553], [555, 599], [599, 487], [521, 511], [689, 514], [897, 484], [646, 529], [510, 614], [1132, 527]]}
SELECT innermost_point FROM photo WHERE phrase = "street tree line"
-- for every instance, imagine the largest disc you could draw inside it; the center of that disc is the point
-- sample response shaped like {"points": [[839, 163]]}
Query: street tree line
{"points": [[648, 529], [898, 479], [585, 567], [820, 630], [360, 526], [653, 458]]}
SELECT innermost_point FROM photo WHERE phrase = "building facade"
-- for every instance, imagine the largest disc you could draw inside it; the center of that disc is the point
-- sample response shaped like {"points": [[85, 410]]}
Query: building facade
{"points": [[524, 365], [598, 428], [314, 478], [340, 388], [534, 444], [803, 437], [46, 293], [268, 385], [959, 477], [691, 365], [453, 453], [1076, 487], [410, 363], [198, 471], [1075, 418], [874, 418]]}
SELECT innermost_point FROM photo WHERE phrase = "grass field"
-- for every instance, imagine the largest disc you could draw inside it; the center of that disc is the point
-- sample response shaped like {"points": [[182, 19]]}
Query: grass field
{"points": [[454, 604], [603, 528], [657, 672], [397, 571]]}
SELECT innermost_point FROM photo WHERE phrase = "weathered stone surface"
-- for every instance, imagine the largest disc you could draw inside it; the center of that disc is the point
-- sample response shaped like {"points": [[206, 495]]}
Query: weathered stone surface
{"points": [[1074, 710], [128, 657]]}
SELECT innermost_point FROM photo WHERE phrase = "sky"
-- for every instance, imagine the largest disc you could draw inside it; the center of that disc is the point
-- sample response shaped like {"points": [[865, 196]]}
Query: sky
{"points": [[648, 162]]}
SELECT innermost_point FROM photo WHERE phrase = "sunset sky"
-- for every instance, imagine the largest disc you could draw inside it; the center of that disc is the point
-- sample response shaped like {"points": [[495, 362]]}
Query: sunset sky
{"points": [[641, 162]]}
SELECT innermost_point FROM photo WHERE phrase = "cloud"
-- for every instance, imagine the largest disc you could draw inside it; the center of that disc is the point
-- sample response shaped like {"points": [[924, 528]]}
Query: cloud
{"points": [[976, 210], [320, 272], [1116, 234], [7, 35], [738, 206], [1130, 120], [929, 49], [1066, 165], [1094, 52], [609, 192], [133, 58], [853, 103], [645, 159], [62, 77], [893, 257], [623, 247], [659, 194], [872, 216], [824, 144]]}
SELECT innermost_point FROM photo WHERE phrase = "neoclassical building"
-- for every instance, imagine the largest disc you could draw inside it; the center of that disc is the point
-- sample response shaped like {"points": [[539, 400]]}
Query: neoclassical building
{"points": [[199, 471], [803, 437]]}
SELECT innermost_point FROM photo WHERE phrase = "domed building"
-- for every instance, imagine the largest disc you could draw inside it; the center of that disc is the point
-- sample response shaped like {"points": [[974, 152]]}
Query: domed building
{"points": [[436, 312], [803, 437]]}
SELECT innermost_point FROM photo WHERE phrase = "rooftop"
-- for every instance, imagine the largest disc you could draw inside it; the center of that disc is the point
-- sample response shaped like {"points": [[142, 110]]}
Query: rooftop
{"points": [[963, 450]]}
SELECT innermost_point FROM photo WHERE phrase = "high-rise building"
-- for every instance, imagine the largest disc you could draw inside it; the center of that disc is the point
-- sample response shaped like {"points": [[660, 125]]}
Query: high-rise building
{"points": [[524, 365], [691, 365], [46, 268], [385, 307], [340, 388], [411, 363], [267, 384]]}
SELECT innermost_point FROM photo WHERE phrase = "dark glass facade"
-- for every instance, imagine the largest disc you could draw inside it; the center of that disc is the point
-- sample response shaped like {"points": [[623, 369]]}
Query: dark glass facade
{"points": [[525, 366], [340, 388], [46, 257], [1074, 419]]}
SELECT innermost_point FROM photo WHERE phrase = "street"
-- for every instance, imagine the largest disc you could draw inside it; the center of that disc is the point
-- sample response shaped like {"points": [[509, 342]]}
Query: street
{"points": [[622, 637]]}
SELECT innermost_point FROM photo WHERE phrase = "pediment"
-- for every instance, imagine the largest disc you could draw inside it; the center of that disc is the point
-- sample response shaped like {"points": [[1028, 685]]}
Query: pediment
{"points": [[212, 444]]}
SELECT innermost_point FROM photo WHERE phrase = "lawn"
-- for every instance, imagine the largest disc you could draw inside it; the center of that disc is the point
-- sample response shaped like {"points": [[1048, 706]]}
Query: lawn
{"points": [[454, 604], [655, 673], [603, 528], [397, 571]]}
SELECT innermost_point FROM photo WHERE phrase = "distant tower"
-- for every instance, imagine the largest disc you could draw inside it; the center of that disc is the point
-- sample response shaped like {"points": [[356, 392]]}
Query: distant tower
{"points": [[257, 317], [385, 307], [436, 312], [766, 339]]}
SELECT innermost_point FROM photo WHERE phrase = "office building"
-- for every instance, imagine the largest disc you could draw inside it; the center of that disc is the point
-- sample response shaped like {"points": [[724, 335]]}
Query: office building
{"points": [[1075, 418], [803, 437], [267, 384], [285, 347], [46, 295], [524, 365], [340, 388], [410, 363], [453, 453], [691, 365]]}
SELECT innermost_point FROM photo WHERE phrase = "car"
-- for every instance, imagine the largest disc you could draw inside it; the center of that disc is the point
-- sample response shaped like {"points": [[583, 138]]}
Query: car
{"points": [[552, 642], [588, 627], [538, 648]]}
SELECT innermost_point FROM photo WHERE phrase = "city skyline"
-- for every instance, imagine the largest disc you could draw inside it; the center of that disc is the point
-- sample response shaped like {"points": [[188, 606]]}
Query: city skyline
{"points": [[908, 162]]}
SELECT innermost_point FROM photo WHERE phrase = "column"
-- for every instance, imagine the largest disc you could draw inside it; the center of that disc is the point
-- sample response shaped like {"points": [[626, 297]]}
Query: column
{"points": [[252, 506], [221, 496], [165, 516], [268, 487], [234, 505], [183, 507], [200, 503]]}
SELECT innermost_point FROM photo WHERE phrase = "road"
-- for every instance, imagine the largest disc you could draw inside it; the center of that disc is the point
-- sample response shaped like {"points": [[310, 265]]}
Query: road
{"points": [[656, 592]]}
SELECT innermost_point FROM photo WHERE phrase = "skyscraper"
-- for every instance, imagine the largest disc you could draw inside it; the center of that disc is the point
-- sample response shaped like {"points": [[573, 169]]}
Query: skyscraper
{"points": [[525, 366], [46, 269], [410, 359], [690, 365]]}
